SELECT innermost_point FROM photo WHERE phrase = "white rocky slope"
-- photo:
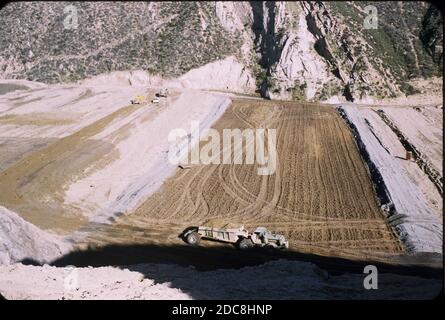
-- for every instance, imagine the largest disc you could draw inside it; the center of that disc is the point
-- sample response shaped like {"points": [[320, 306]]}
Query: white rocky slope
{"points": [[20, 240], [306, 51], [419, 227], [311, 44], [226, 74], [299, 65]]}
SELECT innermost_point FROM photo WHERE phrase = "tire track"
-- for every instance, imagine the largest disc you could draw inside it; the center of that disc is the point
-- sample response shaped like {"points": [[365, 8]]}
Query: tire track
{"points": [[320, 196]]}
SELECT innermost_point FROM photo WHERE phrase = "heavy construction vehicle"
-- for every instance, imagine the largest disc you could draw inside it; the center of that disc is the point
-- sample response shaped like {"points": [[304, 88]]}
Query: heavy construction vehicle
{"points": [[240, 237], [163, 93], [139, 100]]}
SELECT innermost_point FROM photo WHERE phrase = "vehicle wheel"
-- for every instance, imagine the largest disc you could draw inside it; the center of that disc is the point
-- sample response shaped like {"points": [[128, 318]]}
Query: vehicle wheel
{"points": [[193, 238], [245, 243]]}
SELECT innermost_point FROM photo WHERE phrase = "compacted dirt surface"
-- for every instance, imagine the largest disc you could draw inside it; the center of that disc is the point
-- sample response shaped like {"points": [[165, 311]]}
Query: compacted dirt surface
{"points": [[320, 197], [91, 152], [97, 175]]}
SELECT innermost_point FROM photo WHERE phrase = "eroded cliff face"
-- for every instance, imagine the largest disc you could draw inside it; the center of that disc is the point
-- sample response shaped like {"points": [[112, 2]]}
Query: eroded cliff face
{"points": [[309, 54], [310, 50], [297, 71], [302, 50]]}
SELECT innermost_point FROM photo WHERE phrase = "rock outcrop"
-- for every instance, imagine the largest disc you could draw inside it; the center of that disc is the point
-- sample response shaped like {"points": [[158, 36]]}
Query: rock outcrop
{"points": [[311, 51]]}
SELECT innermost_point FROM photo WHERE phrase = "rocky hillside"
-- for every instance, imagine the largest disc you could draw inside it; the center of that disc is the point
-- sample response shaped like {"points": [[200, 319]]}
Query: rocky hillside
{"points": [[295, 50]]}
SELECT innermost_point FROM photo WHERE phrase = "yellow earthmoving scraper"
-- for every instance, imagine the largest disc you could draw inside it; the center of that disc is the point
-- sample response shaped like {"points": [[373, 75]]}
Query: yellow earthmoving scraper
{"points": [[139, 100]]}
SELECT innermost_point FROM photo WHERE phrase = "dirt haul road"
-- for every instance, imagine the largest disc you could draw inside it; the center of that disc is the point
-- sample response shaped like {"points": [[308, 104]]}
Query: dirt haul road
{"points": [[320, 197]]}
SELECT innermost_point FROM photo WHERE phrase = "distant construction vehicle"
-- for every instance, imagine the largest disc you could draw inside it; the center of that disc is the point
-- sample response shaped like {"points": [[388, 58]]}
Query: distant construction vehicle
{"points": [[240, 237], [163, 93], [139, 100]]}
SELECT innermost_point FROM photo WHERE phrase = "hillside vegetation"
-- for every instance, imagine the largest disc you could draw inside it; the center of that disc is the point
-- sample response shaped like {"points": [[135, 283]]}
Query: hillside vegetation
{"points": [[295, 50], [165, 38]]}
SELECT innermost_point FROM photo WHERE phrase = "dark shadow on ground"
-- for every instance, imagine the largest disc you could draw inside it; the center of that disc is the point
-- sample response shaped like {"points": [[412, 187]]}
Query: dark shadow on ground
{"points": [[326, 272], [223, 257]]}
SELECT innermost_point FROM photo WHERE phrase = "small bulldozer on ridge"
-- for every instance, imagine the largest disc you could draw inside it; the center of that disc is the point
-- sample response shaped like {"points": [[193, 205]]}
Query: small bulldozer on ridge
{"points": [[240, 237]]}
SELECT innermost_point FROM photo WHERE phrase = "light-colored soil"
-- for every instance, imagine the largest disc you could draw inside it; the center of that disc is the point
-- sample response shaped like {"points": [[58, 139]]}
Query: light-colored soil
{"points": [[141, 140], [71, 153], [46, 142], [320, 197], [412, 215], [34, 120], [423, 127], [20, 240], [425, 132], [33, 185], [273, 280]]}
